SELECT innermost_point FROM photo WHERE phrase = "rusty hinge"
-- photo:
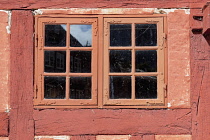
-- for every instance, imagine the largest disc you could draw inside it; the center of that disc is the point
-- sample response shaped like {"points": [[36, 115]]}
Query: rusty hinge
{"points": [[165, 90]]}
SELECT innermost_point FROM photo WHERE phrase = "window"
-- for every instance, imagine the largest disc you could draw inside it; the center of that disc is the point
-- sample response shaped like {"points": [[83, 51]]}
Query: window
{"points": [[100, 61]]}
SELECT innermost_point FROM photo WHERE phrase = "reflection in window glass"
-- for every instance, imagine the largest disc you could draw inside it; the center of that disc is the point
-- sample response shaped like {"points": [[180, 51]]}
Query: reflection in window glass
{"points": [[120, 35], [146, 34], [146, 61], [120, 60], [55, 35], [54, 87], [55, 61], [146, 87], [80, 35], [80, 88], [120, 87], [80, 61]]}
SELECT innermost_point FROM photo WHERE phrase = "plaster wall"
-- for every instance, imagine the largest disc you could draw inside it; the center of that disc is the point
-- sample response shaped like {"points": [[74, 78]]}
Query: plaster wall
{"points": [[177, 122], [4, 61], [178, 46]]}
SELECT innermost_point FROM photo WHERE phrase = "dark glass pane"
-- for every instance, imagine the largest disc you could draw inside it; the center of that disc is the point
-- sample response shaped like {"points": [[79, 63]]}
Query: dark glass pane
{"points": [[120, 87], [80, 35], [146, 87], [54, 87], [146, 61], [80, 88], [80, 61], [55, 61], [146, 34], [55, 35], [120, 35], [120, 61]]}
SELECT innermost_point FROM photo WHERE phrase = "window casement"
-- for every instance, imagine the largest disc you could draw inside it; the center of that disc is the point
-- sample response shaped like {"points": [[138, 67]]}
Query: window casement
{"points": [[100, 61]]}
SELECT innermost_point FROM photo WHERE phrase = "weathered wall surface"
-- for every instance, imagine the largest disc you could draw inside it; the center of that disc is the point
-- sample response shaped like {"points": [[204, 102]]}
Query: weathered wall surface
{"points": [[135, 122], [178, 46], [4, 61], [178, 59], [176, 123], [4, 72]]}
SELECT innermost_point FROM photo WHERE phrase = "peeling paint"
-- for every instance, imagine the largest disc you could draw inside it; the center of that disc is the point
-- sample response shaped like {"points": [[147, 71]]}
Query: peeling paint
{"points": [[109, 11], [167, 11], [169, 104], [96, 11], [37, 12], [53, 137], [7, 108], [9, 20]]}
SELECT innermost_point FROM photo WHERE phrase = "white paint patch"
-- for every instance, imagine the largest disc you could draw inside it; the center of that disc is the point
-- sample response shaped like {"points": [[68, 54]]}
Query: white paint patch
{"points": [[187, 70], [7, 109], [169, 104], [53, 137], [110, 11], [38, 12], [93, 111], [8, 28], [95, 11], [9, 20], [125, 10], [167, 11]]}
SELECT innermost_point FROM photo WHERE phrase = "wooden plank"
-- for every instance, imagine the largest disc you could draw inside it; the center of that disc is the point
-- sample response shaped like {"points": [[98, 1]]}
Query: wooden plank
{"points": [[109, 121], [4, 124], [21, 76], [42, 4]]}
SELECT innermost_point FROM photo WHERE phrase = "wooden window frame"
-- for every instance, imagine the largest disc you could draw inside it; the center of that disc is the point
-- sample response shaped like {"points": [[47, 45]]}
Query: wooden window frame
{"points": [[100, 63]]}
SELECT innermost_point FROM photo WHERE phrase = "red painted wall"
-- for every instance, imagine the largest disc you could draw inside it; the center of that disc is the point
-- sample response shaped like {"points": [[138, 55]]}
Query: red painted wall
{"points": [[23, 122]]}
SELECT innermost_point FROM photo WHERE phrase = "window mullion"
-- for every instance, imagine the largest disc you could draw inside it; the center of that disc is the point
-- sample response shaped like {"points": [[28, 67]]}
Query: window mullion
{"points": [[133, 62], [67, 61]]}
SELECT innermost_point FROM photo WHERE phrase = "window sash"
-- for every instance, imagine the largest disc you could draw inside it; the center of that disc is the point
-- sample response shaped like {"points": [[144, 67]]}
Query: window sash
{"points": [[100, 54], [133, 48]]}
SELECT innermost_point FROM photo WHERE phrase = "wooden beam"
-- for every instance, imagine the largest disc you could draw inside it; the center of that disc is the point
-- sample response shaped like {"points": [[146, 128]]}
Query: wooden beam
{"points": [[42, 4], [112, 121], [21, 78]]}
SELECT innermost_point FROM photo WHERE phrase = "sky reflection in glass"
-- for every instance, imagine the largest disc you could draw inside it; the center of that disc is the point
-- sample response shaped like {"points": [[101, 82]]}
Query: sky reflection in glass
{"points": [[81, 35]]}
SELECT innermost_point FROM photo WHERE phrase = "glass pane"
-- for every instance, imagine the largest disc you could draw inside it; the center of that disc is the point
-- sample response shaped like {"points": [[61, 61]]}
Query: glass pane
{"points": [[54, 87], [55, 35], [80, 61], [146, 61], [120, 61], [146, 87], [80, 35], [120, 87], [54, 61], [120, 35], [80, 88], [146, 34]]}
